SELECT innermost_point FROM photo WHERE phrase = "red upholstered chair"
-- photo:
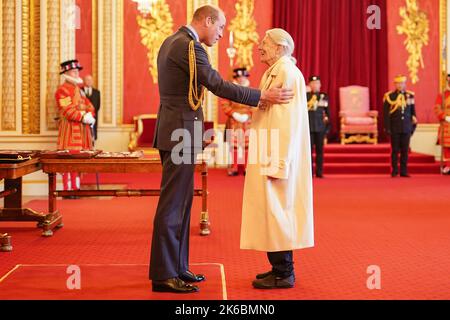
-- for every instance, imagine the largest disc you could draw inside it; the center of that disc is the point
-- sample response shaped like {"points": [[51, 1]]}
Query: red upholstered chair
{"points": [[142, 136], [358, 122]]}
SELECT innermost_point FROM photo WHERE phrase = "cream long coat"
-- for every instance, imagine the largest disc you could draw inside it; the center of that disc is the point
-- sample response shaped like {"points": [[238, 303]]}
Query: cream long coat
{"points": [[277, 214]]}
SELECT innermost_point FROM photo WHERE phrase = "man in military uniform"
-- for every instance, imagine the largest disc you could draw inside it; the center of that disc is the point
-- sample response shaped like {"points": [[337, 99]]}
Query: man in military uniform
{"points": [[399, 121], [442, 110], [319, 120], [76, 117], [183, 73], [239, 120]]}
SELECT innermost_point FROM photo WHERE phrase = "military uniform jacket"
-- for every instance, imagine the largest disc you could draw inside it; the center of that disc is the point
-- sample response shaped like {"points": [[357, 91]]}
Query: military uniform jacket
{"points": [[398, 110], [72, 105], [317, 110], [173, 78]]}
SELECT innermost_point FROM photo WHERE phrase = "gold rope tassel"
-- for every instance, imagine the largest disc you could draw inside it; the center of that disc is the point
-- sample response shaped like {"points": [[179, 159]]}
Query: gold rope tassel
{"points": [[400, 102], [193, 83]]}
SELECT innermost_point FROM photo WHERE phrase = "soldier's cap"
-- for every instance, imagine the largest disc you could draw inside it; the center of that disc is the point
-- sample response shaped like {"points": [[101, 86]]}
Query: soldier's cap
{"points": [[448, 75], [314, 78], [400, 78], [69, 65], [240, 72]]}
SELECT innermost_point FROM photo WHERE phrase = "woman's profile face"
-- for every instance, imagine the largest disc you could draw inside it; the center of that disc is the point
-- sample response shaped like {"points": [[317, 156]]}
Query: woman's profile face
{"points": [[268, 51]]}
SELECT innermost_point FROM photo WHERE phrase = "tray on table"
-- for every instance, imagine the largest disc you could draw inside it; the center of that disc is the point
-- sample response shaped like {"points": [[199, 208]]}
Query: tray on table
{"points": [[120, 155], [69, 154]]}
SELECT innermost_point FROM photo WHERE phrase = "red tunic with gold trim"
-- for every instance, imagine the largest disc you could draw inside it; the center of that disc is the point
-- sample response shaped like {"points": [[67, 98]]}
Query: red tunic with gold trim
{"points": [[442, 112], [229, 108], [72, 105]]}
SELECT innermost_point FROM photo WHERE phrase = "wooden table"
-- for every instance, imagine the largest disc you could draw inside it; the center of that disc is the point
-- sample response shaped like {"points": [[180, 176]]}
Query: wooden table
{"points": [[105, 165], [12, 209]]}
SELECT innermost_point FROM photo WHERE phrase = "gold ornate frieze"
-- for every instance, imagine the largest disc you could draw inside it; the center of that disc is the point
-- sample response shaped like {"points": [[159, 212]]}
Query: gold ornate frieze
{"points": [[415, 26], [8, 70], [245, 36], [154, 29]]}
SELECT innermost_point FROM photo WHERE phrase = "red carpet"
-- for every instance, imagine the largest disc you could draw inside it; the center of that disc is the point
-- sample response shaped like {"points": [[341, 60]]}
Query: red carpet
{"points": [[400, 225], [99, 282], [372, 159]]}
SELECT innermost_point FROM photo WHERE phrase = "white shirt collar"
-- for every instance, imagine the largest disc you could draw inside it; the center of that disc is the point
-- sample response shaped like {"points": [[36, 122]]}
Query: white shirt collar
{"points": [[193, 31]]}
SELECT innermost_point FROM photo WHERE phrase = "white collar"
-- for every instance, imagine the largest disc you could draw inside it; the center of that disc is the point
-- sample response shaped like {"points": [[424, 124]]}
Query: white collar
{"points": [[194, 32]]}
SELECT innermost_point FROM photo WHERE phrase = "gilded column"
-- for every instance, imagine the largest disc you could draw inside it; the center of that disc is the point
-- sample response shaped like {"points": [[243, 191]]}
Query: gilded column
{"points": [[53, 61], [95, 41], [31, 67], [110, 60], [443, 36], [8, 70], [118, 72], [105, 60]]}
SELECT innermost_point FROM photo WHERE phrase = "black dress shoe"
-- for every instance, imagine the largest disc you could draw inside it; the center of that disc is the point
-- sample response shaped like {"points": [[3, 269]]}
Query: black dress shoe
{"points": [[405, 175], [274, 282], [174, 285], [263, 275], [189, 276], [319, 176], [394, 174]]}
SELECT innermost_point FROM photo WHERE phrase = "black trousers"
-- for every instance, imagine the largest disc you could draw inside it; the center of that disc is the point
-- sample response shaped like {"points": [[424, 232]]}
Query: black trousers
{"points": [[282, 263], [400, 144], [317, 139], [170, 242]]}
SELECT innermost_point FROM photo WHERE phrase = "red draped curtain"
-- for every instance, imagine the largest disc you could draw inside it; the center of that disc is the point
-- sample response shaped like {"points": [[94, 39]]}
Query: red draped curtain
{"points": [[333, 41]]}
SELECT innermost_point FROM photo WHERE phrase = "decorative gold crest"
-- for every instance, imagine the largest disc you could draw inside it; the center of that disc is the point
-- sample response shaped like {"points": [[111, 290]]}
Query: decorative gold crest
{"points": [[415, 26], [243, 27], [155, 28]]}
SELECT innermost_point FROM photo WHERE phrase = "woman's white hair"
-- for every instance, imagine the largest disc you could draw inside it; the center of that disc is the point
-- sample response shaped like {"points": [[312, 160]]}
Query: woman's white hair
{"points": [[283, 38]]}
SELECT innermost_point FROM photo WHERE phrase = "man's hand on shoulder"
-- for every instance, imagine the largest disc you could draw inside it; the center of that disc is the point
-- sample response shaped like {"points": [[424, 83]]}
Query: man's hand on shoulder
{"points": [[276, 96]]}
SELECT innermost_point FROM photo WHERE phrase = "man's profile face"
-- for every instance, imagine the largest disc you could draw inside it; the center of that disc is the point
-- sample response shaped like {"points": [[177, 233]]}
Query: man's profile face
{"points": [[400, 86], [214, 29], [88, 81], [315, 85]]}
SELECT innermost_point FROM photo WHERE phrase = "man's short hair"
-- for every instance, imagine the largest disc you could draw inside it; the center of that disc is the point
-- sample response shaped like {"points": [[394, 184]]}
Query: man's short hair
{"points": [[207, 11]]}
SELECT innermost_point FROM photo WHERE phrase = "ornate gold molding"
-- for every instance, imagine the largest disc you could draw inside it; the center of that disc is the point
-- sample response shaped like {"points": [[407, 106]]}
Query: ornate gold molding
{"points": [[245, 36], [154, 29], [443, 36], [31, 66], [53, 60], [119, 26], [8, 69], [110, 60], [415, 26], [95, 41], [105, 56]]}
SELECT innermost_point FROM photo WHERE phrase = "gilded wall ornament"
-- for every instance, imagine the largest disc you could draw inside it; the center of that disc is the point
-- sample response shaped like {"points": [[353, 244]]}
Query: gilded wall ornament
{"points": [[415, 25], [243, 27], [154, 29]]}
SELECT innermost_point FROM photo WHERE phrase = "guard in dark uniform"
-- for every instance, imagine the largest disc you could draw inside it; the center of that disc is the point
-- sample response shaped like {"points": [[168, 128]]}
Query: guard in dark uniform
{"points": [[399, 121], [319, 120]]}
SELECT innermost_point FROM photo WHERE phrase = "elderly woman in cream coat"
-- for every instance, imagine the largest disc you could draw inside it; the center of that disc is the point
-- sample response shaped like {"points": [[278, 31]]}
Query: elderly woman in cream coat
{"points": [[277, 215]]}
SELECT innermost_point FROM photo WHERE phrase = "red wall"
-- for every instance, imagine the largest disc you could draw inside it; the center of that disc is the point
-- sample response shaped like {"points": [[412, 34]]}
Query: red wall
{"points": [[83, 36], [427, 88], [140, 93]]}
